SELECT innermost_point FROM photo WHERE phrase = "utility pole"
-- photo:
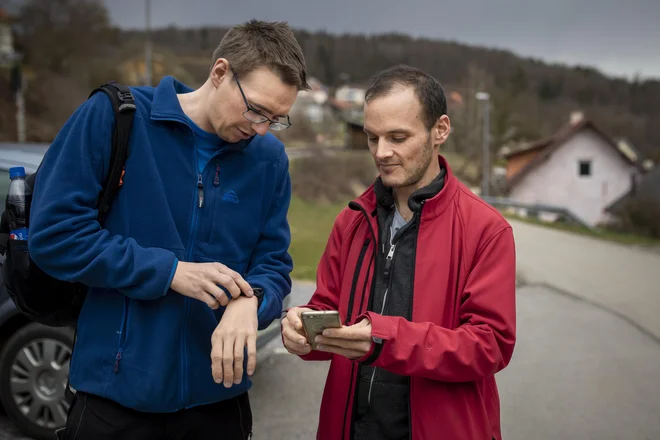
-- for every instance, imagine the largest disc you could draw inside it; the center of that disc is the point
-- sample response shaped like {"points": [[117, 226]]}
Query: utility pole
{"points": [[20, 114], [18, 87], [485, 157], [147, 46], [11, 59]]}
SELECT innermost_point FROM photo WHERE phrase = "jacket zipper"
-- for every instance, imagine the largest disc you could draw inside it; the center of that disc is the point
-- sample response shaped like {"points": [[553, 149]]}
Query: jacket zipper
{"points": [[216, 179], [200, 190], [388, 267], [199, 193], [191, 243], [356, 276], [366, 283], [122, 335]]}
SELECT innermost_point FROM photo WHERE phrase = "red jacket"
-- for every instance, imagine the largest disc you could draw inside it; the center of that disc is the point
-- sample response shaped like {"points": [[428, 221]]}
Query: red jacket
{"points": [[463, 319]]}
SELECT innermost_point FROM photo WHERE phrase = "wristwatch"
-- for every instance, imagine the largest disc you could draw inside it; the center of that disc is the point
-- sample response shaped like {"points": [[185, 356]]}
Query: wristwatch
{"points": [[259, 294]]}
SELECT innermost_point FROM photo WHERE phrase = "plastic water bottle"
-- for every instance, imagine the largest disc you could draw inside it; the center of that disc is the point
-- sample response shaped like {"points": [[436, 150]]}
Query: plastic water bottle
{"points": [[19, 197]]}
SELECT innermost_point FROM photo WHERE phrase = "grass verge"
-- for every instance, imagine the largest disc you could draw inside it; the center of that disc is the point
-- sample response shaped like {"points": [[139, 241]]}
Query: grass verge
{"points": [[603, 234], [311, 224]]}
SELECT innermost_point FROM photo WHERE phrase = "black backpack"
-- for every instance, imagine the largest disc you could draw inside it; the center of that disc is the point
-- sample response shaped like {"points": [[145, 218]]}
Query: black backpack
{"points": [[36, 294]]}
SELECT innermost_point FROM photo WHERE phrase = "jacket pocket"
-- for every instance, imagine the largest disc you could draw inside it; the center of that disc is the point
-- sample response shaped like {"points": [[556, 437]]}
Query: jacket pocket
{"points": [[123, 334]]}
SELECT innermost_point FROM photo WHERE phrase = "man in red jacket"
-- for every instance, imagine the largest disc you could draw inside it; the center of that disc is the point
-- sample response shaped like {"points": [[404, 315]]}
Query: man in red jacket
{"points": [[422, 273]]}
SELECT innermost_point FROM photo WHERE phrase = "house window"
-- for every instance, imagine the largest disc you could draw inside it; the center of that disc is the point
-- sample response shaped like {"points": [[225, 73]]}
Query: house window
{"points": [[584, 168]]}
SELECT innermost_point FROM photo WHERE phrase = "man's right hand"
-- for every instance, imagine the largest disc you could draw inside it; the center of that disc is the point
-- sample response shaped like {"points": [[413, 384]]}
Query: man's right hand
{"points": [[293, 333], [201, 281]]}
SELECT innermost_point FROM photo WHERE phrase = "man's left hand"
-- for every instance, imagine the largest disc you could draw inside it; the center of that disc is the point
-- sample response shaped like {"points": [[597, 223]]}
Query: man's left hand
{"points": [[237, 328], [352, 342]]}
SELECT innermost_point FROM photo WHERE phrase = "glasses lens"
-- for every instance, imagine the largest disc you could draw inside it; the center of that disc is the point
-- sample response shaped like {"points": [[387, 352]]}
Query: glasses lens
{"points": [[254, 117], [280, 123], [277, 126]]}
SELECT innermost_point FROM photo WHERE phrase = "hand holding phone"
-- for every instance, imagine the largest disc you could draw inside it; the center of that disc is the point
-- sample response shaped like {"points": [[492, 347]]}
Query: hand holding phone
{"points": [[314, 322]]}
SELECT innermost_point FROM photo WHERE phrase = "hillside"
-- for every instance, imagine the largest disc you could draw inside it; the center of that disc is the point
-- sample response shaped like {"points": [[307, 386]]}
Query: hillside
{"points": [[530, 98]]}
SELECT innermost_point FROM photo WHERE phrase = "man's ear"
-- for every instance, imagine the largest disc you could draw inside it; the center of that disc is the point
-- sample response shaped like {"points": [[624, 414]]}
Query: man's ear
{"points": [[441, 130], [219, 71]]}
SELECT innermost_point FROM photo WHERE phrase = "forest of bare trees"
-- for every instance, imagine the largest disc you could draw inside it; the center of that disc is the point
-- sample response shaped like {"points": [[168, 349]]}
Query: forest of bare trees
{"points": [[70, 46]]}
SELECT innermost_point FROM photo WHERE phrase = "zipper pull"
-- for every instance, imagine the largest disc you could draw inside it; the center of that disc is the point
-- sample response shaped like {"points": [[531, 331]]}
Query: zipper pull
{"points": [[117, 359], [388, 260], [200, 190], [216, 180]]}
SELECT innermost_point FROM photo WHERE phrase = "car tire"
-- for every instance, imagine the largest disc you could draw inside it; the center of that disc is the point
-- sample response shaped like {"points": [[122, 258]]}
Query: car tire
{"points": [[34, 368]]}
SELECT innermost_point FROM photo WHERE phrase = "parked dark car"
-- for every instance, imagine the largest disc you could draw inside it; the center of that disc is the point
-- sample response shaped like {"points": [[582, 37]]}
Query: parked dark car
{"points": [[34, 359]]}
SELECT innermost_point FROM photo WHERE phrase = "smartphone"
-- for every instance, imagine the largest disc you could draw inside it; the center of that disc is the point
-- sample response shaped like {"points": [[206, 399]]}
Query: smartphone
{"points": [[315, 322]]}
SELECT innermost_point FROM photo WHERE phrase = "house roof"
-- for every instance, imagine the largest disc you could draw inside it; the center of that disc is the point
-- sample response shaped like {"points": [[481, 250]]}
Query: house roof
{"points": [[627, 148], [551, 144]]}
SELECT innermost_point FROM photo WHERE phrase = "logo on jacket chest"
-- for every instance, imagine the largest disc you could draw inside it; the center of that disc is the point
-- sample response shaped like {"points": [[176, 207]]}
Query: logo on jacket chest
{"points": [[231, 197]]}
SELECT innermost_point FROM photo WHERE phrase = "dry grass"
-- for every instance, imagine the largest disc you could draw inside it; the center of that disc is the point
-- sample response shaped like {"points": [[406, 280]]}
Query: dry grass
{"points": [[332, 178]]}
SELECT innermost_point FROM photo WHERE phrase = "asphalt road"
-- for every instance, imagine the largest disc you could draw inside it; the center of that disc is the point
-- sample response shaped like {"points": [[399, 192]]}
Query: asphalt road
{"points": [[586, 364], [622, 279]]}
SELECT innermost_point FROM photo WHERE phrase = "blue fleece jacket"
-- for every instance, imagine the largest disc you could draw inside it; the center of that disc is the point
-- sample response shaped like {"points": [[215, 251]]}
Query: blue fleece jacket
{"points": [[140, 343]]}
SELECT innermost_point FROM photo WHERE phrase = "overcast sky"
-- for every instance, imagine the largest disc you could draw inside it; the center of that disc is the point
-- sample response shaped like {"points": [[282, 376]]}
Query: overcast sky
{"points": [[617, 37]]}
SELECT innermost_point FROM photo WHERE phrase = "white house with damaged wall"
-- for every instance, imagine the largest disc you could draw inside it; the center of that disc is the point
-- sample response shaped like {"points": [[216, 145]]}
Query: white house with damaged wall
{"points": [[579, 168]]}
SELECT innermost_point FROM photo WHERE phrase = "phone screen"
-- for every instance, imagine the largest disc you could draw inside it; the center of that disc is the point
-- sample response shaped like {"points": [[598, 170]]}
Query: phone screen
{"points": [[315, 322]]}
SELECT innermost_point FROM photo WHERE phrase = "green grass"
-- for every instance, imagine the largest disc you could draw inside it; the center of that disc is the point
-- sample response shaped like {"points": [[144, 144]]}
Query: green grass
{"points": [[311, 224], [603, 234]]}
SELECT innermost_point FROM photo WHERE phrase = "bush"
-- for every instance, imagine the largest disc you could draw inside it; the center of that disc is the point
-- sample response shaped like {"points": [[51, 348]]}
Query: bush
{"points": [[641, 216], [301, 130], [332, 178]]}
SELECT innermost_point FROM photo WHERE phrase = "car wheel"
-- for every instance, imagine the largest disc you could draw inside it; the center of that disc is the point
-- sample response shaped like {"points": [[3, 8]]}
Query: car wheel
{"points": [[34, 368]]}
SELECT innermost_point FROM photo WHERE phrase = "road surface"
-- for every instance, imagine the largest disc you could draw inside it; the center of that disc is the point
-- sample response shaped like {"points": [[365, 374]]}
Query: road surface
{"points": [[623, 279]]}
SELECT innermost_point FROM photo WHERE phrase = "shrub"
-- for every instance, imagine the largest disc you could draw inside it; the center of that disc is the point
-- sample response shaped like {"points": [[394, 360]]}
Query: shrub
{"points": [[325, 177]]}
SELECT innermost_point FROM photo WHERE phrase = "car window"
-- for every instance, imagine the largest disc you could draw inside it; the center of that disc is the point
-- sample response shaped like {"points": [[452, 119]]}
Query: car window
{"points": [[4, 187]]}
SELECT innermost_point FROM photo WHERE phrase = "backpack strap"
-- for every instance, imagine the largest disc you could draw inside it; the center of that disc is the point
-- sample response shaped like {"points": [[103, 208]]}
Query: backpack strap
{"points": [[123, 105]]}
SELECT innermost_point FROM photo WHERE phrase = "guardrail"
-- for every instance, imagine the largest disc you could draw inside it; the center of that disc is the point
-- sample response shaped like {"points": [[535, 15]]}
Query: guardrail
{"points": [[534, 209]]}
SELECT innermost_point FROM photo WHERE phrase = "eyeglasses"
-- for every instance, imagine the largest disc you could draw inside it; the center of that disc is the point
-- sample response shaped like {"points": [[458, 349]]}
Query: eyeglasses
{"points": [[255, 116]]}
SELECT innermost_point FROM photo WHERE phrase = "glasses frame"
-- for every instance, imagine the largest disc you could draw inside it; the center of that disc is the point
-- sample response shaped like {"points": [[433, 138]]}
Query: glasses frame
{"points": [[273, 125]]}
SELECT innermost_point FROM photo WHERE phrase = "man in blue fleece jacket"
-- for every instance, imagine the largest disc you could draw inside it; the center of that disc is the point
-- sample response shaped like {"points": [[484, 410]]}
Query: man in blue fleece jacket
{"points": [[198, 225]]}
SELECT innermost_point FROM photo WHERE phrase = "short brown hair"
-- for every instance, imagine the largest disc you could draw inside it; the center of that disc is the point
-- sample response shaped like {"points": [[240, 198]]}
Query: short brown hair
{"points": [[254, 44], [428, 90]]}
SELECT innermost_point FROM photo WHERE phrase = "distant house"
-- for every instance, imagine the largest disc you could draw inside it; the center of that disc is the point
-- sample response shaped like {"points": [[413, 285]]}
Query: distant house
{"points": [[351, 93], [579, 168], [318, 91], [352, 120], [310, 104]]}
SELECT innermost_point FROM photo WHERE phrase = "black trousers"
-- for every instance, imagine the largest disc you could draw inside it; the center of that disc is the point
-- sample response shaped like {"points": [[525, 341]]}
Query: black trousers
{"points": [[95, 418]]}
